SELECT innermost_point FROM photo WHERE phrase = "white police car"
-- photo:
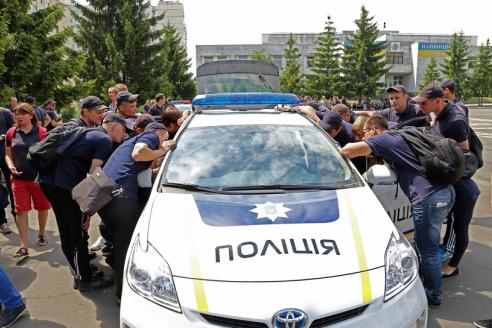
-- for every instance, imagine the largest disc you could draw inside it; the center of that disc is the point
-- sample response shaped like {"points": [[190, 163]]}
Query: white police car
{"points": [[257, 221]]}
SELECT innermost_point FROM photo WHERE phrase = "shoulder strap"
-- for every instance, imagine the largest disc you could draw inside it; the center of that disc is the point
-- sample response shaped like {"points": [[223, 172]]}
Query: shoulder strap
{"points": [[10, 133], [41, 133]]}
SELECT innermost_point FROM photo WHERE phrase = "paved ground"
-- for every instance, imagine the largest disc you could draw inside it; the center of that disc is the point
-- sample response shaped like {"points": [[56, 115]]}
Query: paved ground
{"points": [[45, 282]]}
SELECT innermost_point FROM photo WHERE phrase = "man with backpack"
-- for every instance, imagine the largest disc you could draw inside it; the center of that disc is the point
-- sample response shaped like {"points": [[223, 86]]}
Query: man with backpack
{"points": [[89, 150], [431, 202], [452, 122]]}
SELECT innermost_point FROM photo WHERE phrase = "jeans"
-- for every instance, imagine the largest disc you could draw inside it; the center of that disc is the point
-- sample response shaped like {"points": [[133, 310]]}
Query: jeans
{"points": [[428, 216], [9, 296]]}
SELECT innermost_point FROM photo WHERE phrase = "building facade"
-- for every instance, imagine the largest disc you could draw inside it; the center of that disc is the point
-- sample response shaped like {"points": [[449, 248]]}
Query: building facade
{"points": [[407, 54]]}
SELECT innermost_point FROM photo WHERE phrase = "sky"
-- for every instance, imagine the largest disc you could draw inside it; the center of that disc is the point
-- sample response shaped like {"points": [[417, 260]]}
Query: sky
{"points": [[244, 21]]}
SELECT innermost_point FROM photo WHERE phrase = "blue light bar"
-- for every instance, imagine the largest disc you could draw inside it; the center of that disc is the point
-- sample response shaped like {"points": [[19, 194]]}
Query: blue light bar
{"points": [[253, 98]]}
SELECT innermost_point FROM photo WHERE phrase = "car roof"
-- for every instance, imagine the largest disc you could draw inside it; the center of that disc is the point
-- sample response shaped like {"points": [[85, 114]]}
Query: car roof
{"points": [[260, 117]]}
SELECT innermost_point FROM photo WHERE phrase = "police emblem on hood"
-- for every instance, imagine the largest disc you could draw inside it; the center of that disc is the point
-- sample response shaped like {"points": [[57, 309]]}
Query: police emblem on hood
{"points": [[289, 208]]}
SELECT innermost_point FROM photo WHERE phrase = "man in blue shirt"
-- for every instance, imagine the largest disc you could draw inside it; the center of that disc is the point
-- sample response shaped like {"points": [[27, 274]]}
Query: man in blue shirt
{"points": [[158, 107], [121, 214], [449, 93], [401, 109], [430, 202], [452, 122], [83, 156], [337, 128]]}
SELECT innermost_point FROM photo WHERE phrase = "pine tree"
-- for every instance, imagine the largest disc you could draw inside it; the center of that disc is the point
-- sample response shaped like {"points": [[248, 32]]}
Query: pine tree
{"points": [[176, 81], [481, 78], [455, 67], [431, 74], [36, 60], [290, 78], [363, 63], [120, 44], [325, 64]]}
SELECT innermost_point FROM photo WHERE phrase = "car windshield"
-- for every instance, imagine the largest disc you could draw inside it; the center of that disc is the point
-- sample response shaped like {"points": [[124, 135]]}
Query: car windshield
{"points": [[236, 82], [250, 156]]}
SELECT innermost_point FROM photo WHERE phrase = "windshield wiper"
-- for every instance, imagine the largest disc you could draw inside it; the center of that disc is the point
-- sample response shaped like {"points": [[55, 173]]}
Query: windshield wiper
{"points": [[281, 187], [188, 186], [265, 82]]}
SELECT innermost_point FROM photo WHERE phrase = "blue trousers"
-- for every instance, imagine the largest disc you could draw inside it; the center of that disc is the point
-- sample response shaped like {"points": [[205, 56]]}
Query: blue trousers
{"points": [[428, 216], [9, 296]]}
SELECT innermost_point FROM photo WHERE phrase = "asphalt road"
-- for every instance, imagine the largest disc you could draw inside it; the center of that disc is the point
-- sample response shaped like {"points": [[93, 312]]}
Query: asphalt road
{"points": [[45, 282]]}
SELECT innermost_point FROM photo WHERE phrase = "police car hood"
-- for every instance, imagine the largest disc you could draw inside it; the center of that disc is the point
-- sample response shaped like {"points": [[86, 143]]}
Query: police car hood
{"points": [[269, 237]]}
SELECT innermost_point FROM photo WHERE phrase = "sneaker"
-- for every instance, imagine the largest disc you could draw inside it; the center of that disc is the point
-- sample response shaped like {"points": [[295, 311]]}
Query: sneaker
{"points": [[99, 243], [444, 254], [22, 252], [483, 323], [8, 317], [94, 283], [96, 273], [42, 241], [5, 229], [433, 303]]}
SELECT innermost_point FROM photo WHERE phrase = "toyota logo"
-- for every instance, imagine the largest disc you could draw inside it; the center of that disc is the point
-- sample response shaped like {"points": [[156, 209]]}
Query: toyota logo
{"points": [[290, 318]]}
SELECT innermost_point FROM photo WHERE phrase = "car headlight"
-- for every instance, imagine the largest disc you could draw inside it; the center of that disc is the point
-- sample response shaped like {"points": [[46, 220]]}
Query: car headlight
{"points": [[401, 266], [149, 275]]}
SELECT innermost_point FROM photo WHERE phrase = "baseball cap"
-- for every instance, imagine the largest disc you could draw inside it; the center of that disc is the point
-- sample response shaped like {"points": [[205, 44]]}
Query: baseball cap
{"points": [[117, 118], [449, 84], [125, 96], [153, 126], [49, 102], [93, 102], [341, 108], [430, 91], [30, 100], [330, 121], [397, 88]]}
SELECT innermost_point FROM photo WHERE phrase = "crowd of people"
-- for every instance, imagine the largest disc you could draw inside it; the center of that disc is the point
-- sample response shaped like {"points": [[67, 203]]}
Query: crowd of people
{"points": [[129, 147]]}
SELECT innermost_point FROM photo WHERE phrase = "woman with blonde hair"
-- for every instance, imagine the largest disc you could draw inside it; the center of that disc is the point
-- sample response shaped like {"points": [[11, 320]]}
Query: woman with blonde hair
{"points": [[24, 177]]}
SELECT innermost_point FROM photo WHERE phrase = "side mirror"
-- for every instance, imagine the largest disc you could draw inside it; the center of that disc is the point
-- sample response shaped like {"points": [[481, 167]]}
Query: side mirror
{"points": [[381, 175]]}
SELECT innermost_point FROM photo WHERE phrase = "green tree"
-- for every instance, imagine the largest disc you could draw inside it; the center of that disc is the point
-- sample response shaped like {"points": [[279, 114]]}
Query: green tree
{"points": [[325, 64], [290, 78], [363, 62], [431, 74], [261, 55], [35, 58], [119, 42], [175, 79], [455, 66], [481, 77]]}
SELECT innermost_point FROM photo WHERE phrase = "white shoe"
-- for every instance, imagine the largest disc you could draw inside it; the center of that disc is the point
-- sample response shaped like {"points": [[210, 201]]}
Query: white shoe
{"points": [[98, 244], [5, 229]]}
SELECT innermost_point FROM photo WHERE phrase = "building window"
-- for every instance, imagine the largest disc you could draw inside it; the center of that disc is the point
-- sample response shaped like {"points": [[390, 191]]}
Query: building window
{"points": [[242, 57], [207, 59], [222, 57], [395, 57], [397, 79], [310, 61]]}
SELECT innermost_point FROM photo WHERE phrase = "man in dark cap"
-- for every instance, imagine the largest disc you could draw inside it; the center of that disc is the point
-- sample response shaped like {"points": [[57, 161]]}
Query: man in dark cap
{"points": [[87, 153], [91, 114], [49, 108], [449, 91], [451, 122], [337, 128], [41, 115], [126, 104], [401, 109], [120, 215]]}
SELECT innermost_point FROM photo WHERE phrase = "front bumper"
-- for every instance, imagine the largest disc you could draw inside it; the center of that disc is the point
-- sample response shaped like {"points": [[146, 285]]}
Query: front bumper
{"points": [[406, 310]]}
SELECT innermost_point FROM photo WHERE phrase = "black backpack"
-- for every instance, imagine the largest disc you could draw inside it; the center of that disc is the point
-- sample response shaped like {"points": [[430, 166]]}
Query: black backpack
{"points": [[442, 160], [44, 154]]}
